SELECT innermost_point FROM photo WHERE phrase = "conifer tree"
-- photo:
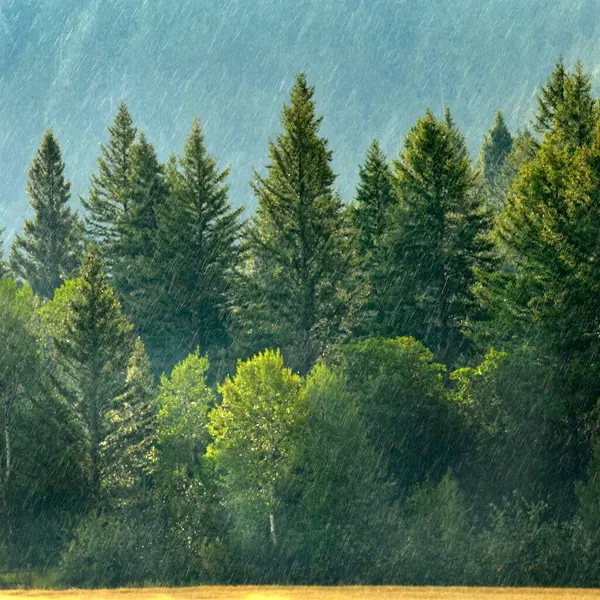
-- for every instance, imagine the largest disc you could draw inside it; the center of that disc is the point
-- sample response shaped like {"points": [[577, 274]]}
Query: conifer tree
{"points": [[134, 271], [92, 342], [3, 265], [298, 256], [424, 279], [198, 252], [110, 190], [550, 97], [374, 198], [496, 146], [128, 446], [575, 116], [49, 249]]}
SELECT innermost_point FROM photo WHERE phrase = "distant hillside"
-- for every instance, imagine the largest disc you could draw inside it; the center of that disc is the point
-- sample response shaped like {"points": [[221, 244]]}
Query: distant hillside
{"points": [[376, 63]]}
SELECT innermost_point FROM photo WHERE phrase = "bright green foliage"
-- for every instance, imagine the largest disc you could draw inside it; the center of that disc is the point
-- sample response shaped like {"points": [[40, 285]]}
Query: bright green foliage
{"points": [[182, 421], [92, 342], [128, 449], [496, 146], [111, 189], [198, 253], [20, 366], [404, 407], [292, 298], [374, 198], [424, 278], [550, 97], [254, 431], [51, 245]]}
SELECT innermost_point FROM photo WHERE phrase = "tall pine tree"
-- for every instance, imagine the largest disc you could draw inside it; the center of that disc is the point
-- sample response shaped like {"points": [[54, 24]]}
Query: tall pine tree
{"points": [[424, 278], [51, 245], [92, 342], [550, 97], [298, 256], [198, 253], [374, 198], [110, 190]]}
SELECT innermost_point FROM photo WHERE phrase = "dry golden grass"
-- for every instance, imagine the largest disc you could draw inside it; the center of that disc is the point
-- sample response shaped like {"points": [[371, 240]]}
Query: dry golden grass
{"points": [[311, 593]]}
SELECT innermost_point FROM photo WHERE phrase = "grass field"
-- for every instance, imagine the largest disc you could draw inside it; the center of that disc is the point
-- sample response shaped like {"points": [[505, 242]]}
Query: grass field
{"points": [[311, 593]]}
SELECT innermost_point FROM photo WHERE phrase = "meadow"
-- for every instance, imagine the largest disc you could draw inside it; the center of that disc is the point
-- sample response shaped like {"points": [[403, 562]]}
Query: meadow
{"points": [[311, 593]]}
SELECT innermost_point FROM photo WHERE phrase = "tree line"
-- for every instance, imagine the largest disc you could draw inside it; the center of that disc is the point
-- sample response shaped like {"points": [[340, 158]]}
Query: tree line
{"points": [[399, 389]]}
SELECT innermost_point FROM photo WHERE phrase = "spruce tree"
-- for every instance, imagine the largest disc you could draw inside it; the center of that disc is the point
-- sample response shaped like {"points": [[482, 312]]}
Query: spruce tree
{"points": [[374, 198], [51, 244], [496, 146], [135, 273], [3, 265], [128, 447], [198, 253], [298, 256], [92, 341], [550, 97], [423, 282], [575, 116], [110, 190]]}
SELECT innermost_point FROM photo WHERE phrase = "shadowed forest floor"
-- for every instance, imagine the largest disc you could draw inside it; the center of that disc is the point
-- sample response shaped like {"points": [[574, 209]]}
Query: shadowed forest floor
{"points": [[311, 593]]}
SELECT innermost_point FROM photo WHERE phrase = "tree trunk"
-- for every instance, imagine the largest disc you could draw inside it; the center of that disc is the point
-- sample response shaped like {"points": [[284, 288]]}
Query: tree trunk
{"points": [[272, 528]]}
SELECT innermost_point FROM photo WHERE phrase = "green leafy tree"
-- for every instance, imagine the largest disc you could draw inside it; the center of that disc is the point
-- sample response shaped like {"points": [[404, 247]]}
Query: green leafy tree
{"points": [[293, 293], [92, 342], [198, 253], [254, 433], [405, 409], [51, 245], [335, 502], [423, 282], [111, 189]]}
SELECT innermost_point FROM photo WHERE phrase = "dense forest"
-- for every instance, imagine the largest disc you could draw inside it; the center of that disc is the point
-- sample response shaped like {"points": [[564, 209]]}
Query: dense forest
{"points": [[401, 388]]}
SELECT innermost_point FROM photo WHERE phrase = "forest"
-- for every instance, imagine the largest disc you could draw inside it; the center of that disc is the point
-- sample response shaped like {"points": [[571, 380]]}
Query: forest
{"points": [[394, 388]]}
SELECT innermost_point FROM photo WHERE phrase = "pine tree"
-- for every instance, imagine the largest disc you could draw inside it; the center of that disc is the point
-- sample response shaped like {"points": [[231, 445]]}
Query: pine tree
{"points": [[135, 270], [92, 342], [575, 116], [198, 252], [496, 146], [425, 275], [550, 97], [128, 448], [298, 257], [374, 198], [110, 190], [3, 265], [49, 249]]}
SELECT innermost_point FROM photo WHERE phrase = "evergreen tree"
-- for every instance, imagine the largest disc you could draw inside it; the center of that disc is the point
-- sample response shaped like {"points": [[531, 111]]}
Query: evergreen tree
{"points": [[423, 284], [50, 247], [92, 342], [374, 198], [198, 252], [298, 258], [110, 190], [496, 146], [550, 97], [575, 116], [128, 448], [3, 265], [135, 274]]}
